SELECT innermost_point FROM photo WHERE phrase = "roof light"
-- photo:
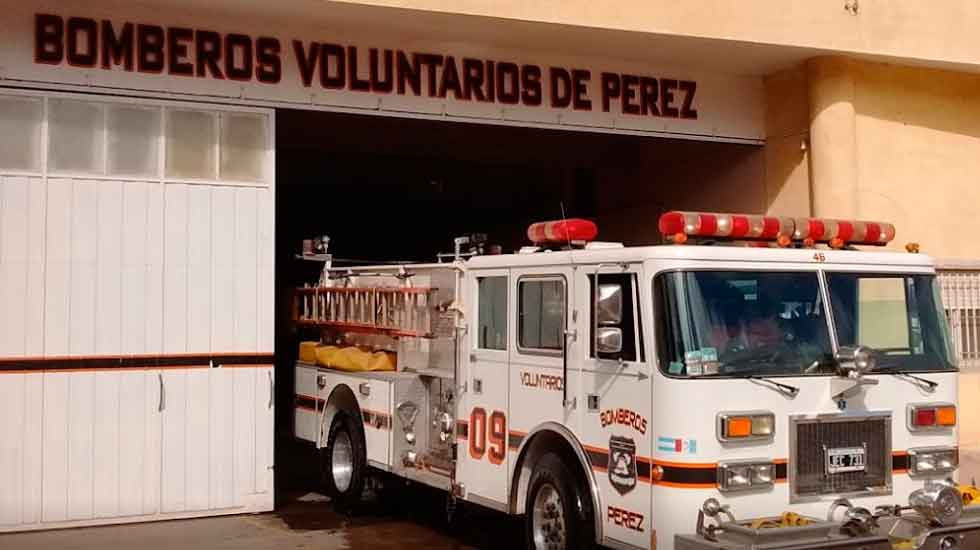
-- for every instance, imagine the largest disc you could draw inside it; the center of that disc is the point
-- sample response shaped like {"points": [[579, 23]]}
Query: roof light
{"points": [[677, 226], [562, 231]]}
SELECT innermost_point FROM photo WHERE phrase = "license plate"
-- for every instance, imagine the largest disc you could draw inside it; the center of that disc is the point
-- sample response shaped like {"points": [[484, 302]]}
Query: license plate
{"points": [[846, 459]]}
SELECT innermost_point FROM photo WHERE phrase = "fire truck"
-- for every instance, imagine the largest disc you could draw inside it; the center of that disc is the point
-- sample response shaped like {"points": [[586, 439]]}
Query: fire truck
{"points": [[754, 382]]}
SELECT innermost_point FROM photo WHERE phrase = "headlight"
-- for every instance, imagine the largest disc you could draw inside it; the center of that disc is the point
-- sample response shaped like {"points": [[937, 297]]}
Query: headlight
{"points": [[938, 502], [928, 461], [745, 475]]}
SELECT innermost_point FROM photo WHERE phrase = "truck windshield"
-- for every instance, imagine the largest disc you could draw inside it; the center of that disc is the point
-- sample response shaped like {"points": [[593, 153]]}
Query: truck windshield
{"points": [[742, 323], [900, 317]]}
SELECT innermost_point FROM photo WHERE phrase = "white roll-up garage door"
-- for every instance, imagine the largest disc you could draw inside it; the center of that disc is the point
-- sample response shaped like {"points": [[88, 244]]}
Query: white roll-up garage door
{"points": [[136, 327]]}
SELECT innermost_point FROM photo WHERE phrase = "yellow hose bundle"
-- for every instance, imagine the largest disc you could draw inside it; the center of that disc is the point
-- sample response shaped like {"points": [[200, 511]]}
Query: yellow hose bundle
{"points": [[788, 519], [969, 494], [307, 351], [354, 359]]}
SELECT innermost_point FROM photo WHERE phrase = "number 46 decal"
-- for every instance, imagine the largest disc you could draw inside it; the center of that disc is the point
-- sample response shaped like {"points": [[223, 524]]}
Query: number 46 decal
{"points": [[482, 432]]}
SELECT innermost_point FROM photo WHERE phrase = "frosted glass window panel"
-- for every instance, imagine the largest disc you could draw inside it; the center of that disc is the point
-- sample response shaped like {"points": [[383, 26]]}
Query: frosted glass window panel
{"points": [[191, 145], [76, 131], [20, 133], [243, 147], [134, 137]]}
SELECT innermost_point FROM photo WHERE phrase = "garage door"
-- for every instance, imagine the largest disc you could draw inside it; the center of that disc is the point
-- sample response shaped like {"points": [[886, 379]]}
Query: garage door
{"points": [[136, 331]]}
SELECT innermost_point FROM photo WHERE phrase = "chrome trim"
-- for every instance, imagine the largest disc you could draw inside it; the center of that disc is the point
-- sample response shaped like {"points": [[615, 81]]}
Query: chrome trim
{"points": [[747, 462], [846, 416], [583, 459], [828, 311], [910, 411], [937, 449], [721, 417]]}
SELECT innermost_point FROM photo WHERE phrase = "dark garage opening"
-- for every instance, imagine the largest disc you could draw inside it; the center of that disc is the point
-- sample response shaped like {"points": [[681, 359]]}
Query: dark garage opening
{"points": [[389, 189]]}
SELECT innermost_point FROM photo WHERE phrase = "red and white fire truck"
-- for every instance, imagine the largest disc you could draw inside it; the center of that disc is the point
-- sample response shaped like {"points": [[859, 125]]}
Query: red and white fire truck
{"points": [[789, 393]]}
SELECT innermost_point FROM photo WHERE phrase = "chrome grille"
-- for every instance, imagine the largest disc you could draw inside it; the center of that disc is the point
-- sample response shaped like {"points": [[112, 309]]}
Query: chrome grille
{"points": [[811, 437]]}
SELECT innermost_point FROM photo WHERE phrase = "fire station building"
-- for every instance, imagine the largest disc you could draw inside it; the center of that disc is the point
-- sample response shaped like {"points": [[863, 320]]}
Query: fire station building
{"points": [[161, 162]]}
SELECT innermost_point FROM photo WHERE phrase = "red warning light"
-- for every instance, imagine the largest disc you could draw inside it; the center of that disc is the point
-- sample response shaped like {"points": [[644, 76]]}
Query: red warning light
{"points": [[781, 230], [562, 231]]}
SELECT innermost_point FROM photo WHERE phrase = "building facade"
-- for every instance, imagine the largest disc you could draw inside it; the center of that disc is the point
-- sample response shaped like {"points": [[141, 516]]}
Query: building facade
{"points": [[158, 161]]}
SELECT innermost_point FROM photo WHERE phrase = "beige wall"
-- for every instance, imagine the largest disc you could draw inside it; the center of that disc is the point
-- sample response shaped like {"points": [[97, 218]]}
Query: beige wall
{"points": [[938, 32], [787, 175], [898, 144]]}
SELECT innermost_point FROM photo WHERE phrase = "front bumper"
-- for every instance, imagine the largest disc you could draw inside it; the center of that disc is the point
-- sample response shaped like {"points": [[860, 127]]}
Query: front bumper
{"points": [[738, 535]]}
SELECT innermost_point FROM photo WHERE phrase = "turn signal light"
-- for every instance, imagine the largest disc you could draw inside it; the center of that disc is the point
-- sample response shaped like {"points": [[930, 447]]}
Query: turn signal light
{"points": [[746, 426], [946, 416], [739, 427], [931, 416]]}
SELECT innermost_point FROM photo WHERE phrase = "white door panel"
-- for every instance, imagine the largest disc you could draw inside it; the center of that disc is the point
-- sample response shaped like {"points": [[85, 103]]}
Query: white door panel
{"points": [[173, 468], [483, 459], [616, 413]]}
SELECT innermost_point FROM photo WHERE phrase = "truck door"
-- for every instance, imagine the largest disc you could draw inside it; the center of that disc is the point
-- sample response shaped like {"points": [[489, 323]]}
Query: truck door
{"points": [[617, 402], [482, 414]]}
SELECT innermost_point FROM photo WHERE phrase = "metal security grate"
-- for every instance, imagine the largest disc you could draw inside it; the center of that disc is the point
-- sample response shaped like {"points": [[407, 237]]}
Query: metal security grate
{"points": [[960, 283], [809, 476]]}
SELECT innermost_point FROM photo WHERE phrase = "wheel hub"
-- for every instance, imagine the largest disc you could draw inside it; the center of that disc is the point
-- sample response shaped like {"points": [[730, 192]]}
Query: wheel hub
{"points": [[342, 462], [548, 519]]}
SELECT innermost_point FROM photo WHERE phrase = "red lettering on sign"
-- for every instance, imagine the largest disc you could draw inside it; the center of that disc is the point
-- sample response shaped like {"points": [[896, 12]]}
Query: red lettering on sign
{"points": [[129, 46]]}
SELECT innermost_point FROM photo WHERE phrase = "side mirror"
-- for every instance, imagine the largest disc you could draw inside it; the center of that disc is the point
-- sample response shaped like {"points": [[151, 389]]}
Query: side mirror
{"points": [[609, 340], [609, 305]]}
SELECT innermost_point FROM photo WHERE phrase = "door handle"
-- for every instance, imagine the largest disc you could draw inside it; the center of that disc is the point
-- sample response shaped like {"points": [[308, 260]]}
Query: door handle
{"points": [[272, 389], [163, 395]]}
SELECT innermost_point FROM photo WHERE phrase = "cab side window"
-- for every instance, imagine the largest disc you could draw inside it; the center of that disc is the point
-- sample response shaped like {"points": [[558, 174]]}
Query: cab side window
{"points": [[541, 314], [492, 318], [628, 315]]}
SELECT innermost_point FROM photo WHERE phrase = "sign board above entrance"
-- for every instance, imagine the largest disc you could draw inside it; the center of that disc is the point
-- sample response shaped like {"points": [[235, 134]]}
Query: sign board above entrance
{"points": [[376, 73]]}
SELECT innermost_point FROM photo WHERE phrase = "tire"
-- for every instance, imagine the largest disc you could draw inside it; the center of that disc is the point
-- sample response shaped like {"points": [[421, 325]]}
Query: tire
{"points": [[343, 462], [558, 512]]}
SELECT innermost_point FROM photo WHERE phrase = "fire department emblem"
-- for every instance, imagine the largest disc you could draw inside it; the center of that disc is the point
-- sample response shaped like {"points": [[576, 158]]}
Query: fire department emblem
{"points": [[622, 463]]}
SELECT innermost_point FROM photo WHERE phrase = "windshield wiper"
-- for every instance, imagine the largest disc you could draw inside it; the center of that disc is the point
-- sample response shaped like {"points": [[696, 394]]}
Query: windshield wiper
{"points": [[785, 389], [924, 383]]}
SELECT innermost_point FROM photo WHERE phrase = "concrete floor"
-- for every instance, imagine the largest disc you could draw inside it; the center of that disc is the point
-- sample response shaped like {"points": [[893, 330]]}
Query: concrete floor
{"points": [[405, 519], [305, 521]]}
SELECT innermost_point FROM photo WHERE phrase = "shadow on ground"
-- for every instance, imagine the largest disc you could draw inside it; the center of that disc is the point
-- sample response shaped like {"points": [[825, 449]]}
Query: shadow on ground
{"points": [[398, 515]]}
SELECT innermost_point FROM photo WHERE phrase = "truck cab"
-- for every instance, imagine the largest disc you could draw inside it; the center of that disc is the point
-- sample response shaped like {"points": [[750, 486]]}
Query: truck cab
{"points": [[695, 396]]}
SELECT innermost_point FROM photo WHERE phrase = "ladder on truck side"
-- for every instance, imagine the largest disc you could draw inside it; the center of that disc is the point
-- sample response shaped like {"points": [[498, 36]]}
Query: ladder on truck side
{"points": [[394, 311]]}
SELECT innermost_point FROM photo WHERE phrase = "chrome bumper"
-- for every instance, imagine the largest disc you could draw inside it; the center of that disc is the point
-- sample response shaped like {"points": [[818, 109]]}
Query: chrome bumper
{"points": [[736, 536], [965, 535]]}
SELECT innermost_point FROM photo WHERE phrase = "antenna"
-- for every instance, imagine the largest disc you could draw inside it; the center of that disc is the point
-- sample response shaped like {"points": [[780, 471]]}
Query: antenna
{"points": [[564, 219]]}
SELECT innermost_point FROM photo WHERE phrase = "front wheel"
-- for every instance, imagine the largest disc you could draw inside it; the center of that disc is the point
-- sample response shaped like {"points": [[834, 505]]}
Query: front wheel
{"points": [[343, 461], [558, 513]]}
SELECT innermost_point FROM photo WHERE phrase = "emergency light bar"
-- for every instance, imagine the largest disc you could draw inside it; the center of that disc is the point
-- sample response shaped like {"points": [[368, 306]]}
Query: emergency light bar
{"points": [[679, 226], [562, 231]]}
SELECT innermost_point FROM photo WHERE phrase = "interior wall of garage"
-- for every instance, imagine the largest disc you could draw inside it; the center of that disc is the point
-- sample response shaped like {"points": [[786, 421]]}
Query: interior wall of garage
{"points": [[401, 189]]}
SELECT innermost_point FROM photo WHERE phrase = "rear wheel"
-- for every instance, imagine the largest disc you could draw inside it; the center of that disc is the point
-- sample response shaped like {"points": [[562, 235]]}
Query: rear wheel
{"points": [[558, 513], [343, 461]]}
